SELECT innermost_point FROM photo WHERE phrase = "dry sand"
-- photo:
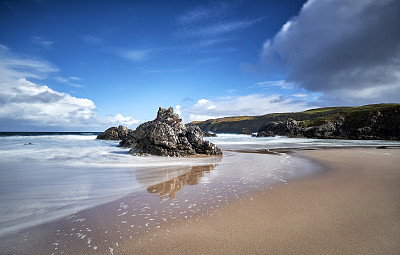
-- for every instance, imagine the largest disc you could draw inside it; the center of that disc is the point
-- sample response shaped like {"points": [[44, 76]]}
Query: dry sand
{"points": [[351, 208]]}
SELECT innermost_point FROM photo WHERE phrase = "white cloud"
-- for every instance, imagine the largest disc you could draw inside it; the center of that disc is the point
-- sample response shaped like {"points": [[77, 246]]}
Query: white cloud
{"points": [[25, 105], [178, 109], [30, 104], [121, 120], [254, 104], [348, 50], [286, 26], [204, 103], [199, 117]]}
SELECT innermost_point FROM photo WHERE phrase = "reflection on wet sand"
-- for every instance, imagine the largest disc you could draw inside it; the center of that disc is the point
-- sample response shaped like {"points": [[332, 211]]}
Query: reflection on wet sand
{"points": [[168, 180], [170, 187]]}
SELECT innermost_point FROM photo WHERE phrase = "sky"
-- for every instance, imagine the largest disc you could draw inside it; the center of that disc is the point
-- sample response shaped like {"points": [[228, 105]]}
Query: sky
{"points": [[89, 65]]}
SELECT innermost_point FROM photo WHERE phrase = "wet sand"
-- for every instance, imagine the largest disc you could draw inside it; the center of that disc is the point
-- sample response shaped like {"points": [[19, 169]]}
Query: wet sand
{"points": [[351, 208]]}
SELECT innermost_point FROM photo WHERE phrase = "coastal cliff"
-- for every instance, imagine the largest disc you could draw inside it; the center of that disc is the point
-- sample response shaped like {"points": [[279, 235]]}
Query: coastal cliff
{"points": [[379, 121]]}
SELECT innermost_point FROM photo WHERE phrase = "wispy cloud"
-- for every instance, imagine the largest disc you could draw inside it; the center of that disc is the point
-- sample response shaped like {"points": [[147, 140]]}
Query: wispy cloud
{"points": [[208, 60], [92, 39], [212, 41], [176, 70], [220, 28], [135, 55], [201, 13], [300, 95], [277, 83], [70, 81], [187, 99], [74, 78], [208, 27], [42, 42], [13, 66]]}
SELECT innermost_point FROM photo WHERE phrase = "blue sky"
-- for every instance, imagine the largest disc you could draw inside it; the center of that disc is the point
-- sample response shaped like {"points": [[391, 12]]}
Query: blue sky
{"points": [[88, 65]]}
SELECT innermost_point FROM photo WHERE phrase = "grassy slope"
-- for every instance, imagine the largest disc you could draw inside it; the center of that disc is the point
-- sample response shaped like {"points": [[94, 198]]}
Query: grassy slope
{"points": [[311, 117]]}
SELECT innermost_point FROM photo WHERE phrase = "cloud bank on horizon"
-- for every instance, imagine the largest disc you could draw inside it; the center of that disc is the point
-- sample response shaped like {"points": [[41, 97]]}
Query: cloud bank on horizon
{"points": [[25, 105], [197, 57]]}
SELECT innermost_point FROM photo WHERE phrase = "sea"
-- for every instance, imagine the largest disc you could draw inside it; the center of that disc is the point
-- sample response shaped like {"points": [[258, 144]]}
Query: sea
{"points": [[50, 175]]}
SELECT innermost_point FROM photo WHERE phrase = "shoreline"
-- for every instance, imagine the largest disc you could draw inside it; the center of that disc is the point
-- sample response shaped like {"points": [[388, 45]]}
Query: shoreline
{"points": [[245, 225], [351, 207]]}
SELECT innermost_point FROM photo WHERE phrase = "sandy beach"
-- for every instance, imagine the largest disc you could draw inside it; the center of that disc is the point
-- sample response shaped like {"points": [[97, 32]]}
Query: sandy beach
{"points": [[350, 208]]}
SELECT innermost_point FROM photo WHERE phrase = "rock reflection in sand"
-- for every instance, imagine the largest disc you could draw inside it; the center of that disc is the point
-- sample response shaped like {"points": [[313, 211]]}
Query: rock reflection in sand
{"points": [[168, 181], [170, 187]]}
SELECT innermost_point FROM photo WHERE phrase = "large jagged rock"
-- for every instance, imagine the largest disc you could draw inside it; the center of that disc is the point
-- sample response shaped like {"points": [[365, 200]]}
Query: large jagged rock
{"points": [[115, 133], [167, 135]]}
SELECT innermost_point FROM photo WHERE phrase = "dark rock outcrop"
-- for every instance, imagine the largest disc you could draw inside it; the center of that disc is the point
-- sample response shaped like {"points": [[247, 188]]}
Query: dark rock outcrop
{"points": [[167, 135], [375, 121], [373, 125], [115, 133], [245, 131], [208, 134]]}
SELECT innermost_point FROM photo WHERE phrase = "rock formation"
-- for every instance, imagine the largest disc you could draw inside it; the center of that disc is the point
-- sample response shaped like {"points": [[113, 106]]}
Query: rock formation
{"points": [[208, 134], [115, 133], [167, 135], [376, 121], [374, 125]]}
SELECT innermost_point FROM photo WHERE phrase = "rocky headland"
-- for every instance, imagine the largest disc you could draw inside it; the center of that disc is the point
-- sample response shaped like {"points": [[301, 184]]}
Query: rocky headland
{"points": [[372, 125], [377, 122], [166, 135]]}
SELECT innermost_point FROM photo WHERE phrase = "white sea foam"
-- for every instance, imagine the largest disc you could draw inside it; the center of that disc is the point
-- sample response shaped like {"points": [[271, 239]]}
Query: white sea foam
{"points": [[247, 142], [46, 177]]}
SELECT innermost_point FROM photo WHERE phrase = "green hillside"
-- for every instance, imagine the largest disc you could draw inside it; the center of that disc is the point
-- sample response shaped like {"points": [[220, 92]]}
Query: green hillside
{"points": [[312, 117]]}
